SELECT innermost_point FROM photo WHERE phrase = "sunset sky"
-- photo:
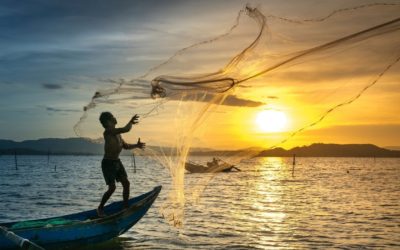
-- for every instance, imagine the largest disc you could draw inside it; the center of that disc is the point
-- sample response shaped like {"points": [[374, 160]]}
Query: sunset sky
{"points": [[56, 54]]}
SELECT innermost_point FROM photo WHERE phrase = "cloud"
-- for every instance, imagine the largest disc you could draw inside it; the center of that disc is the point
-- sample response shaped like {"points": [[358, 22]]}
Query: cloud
{"points": [[51, 109], [231, 100], [51, 86], [6, 82]]}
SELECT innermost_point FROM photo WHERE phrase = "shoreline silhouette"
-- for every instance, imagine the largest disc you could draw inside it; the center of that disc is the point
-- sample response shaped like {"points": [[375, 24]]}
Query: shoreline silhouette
{"points": [[81, 146]]}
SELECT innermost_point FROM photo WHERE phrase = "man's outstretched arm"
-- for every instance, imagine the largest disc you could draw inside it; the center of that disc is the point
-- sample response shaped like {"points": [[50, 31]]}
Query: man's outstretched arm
{"points": [[139, 144], [126, 128]]}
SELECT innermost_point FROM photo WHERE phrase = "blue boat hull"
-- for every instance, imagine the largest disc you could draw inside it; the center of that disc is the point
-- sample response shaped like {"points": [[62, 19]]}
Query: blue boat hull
{"points": [[85, 227]]}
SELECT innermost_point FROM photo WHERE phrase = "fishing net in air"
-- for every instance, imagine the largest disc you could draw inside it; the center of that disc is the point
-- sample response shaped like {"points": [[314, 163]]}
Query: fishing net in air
{"points": [[313, 69]]}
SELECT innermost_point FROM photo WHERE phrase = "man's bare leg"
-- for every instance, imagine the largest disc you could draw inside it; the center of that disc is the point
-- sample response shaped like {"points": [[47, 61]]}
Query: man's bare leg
{"points": [[106, 196], [125, 193]]}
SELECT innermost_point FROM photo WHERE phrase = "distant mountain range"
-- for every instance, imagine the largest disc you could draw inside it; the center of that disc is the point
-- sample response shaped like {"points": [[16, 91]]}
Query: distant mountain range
{"points": [[74, 146], [81, 146], [393, 147], [333, 150]]}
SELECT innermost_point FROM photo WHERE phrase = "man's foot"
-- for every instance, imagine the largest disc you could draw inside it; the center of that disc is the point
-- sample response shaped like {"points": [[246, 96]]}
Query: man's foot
{"points": [[125, 207], [100, 213]]}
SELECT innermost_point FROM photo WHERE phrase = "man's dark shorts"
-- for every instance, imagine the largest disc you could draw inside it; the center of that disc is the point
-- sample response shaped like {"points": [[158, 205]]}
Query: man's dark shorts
{"points": [[113, 170]]}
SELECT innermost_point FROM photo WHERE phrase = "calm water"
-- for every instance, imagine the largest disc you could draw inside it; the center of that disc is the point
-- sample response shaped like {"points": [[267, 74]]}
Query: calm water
{"points": [[329, 203]]}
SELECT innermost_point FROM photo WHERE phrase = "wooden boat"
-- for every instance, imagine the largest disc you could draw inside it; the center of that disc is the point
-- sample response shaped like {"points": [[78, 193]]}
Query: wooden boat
{"points": [[81, 228], [211, 168], [195, 168]]}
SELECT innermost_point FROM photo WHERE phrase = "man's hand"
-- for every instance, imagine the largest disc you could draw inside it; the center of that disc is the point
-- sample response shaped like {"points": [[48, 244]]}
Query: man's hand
{"points": [[135, 119], [140, 144]]}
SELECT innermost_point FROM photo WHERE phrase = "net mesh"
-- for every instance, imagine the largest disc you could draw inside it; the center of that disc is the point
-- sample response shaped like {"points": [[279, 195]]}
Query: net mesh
{"points": [[207, 95]]}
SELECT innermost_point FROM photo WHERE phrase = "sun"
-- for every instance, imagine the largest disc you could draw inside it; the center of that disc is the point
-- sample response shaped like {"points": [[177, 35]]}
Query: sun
{"points": [[271, 121]]}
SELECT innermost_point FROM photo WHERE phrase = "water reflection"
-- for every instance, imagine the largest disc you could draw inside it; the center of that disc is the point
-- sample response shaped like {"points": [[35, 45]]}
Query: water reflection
{"points": [[328, 203]]}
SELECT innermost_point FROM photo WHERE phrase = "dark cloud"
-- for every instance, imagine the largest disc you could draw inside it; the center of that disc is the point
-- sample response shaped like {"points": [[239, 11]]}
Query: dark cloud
{"points": [[6, 82], [231, 100], [51, 109], [51, 86]]}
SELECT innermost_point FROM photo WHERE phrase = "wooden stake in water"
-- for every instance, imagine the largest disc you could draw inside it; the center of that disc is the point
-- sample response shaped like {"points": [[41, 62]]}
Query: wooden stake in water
{"points": [[294, 163], [48, 156], [16, 161], [134, 162]]}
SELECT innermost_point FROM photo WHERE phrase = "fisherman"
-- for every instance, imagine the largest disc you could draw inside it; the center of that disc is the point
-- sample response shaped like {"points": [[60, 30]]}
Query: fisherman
{"points": [[213, 163], [111, 165]]}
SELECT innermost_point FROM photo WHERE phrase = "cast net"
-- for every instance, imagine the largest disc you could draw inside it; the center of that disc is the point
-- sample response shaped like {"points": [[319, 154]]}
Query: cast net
{"points": [[208, 95]]}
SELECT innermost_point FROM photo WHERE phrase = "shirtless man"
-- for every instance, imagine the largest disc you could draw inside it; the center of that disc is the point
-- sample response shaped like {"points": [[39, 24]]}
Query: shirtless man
{"points": [[111, 165]]}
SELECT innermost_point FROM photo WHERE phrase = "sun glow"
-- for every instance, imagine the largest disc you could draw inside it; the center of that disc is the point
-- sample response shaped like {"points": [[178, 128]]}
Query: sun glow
{"points": [[271, 121]]}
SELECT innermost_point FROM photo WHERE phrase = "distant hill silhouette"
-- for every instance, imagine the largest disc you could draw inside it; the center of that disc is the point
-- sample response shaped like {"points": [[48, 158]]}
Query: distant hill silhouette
{"points": [[74, 146], [81, 146], [67, 146], [393, 147], [333, 150]]}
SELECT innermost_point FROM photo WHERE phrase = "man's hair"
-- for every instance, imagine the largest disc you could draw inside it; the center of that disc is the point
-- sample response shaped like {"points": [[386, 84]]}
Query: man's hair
{"points": [[104, 117]]}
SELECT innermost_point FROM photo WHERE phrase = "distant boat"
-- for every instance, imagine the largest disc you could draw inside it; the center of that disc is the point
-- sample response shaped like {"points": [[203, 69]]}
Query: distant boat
{"points": [[214, 166], [81, 228]]}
